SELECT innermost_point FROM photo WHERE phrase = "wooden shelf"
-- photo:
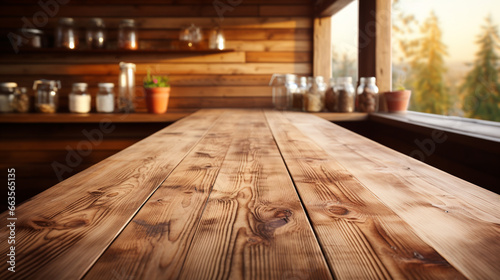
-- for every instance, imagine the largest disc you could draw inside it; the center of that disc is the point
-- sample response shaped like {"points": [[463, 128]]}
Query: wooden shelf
{"points": [[170, 116], [115, 52]]}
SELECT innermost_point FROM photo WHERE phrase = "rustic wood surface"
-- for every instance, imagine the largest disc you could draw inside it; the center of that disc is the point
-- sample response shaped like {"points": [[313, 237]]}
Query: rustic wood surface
{"points": [[271, 36], [258, 194]]}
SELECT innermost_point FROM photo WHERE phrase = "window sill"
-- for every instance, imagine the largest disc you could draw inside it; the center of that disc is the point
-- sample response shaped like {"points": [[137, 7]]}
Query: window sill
{"points": [[465, 130]]}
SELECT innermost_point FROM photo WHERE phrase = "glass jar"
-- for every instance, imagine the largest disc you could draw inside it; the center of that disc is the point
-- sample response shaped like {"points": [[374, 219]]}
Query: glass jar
{"points": [[191, 35], [331, 97], [346, 94], [21, 103], [79, 99], [30, 38], [66, 35], [127, 35], [126, 87], [96, 34], [279, 91], [105, 101], [368, 98], [7, 91], [315, 98], [217, 40], [47, 96], [292, 89]]}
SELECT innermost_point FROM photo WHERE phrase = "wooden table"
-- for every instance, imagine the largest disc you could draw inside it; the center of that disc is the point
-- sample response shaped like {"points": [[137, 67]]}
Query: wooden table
{"points": [[252, 194]]}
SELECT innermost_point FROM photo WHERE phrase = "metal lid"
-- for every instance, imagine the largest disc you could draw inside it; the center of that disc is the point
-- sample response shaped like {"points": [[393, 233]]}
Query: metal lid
{"points": [[31, 31], [80, 85], [106, 85], [127, 65], [51, 83], [97, 22], [66, 21], [127, 22], [8, 85]]}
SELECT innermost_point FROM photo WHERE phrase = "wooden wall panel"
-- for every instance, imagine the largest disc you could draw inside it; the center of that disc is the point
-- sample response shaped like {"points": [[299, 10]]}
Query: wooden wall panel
{"points": [[268, 37]]}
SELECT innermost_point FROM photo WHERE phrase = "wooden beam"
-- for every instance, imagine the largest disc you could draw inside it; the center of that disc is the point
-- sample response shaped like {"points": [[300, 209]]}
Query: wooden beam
{"points": [[322, 60], [383, 57], [367, 38], [327, 8], [375, 43]]}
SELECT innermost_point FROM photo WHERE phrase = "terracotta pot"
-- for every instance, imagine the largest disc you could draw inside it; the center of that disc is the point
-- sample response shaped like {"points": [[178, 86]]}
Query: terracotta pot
{"points": [[397, 101], [157, 99]]}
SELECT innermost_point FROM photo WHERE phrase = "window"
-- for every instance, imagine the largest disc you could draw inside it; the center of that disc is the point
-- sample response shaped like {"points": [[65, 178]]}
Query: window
{"points": [[447, 53], [345, 42]]}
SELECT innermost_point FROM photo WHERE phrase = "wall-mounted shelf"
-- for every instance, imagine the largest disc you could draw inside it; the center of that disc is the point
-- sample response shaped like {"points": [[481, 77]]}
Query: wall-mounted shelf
{"points": [[115, 52]]}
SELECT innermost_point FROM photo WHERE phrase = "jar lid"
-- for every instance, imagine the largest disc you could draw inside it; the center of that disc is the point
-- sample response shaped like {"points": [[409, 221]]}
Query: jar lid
{"points": [[127, 65], [51, 83], [127, 22], [8, 85], [66, 20], [31, 31], [80, 86], [97, 22], [106, 85]]}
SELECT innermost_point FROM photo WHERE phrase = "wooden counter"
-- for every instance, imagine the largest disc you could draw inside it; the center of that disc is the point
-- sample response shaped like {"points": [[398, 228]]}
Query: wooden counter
{"points": [[252, 194]]}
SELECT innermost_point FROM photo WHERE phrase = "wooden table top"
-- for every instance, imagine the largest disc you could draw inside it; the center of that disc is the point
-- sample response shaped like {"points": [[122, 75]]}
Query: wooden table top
{"points": [[257, 194]]}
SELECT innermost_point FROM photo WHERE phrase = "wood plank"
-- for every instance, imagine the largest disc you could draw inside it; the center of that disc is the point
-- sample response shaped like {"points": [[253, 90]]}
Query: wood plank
{"points": [[175, 80], [367, 39], [161, 22], [361, 237], [254, 226], [66, 228], [221, 102], [155, 243], [322, 61], [288, 10], [458, 219], [329, 8], [383, 59], [270, 46], [296, 34], [279, 57], [164, 68], [89, 58], [145, 10]]}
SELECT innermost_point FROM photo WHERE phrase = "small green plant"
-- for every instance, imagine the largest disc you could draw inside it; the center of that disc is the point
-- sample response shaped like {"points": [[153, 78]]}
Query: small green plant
{"points": [[153, 81]]}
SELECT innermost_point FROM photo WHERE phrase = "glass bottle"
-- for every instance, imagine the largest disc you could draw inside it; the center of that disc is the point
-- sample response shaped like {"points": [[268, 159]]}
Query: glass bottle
{"points": [[105, 101], [21, 103], [346, 94], [217, 40], [66, 35], [367, 99], [96, 34], [47, 96], [331, 97], [126, 87], [127, 35], [279, 91], [7, 91], [79, 99]]}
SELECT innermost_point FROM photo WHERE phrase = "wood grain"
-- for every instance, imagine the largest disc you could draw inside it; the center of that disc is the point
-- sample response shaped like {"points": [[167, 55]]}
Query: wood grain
{"points": [[254, 226], [361, 237], [62, 231], [155, 243], [458, 219], [164, 68]]}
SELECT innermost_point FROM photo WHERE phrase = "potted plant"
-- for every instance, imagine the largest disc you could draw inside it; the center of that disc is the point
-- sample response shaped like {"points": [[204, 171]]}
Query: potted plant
{"points": [[398, 100], [157, 92]]}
